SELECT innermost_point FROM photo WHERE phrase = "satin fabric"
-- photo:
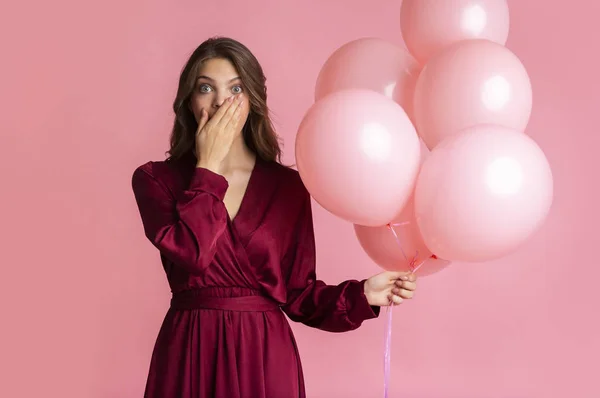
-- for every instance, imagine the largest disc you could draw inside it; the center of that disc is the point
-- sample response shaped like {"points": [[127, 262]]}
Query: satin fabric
{"points": [[234, 281]]}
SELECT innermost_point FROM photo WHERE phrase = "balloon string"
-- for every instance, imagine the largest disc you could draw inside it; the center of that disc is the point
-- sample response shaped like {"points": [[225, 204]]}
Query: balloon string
{"points": [[387, 351], [411, 262], [388, 329]]}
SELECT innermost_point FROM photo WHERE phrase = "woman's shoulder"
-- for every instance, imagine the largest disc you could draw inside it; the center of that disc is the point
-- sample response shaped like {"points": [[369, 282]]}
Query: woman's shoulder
{"points": [[289, 178], [284, 171], [167, 173], [154, 168], [168, 165]]}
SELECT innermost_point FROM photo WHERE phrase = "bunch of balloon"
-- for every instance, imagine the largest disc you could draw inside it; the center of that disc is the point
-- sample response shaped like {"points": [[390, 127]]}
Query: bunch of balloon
{"points": [[424, 149], [363, 148], [486, 186]]}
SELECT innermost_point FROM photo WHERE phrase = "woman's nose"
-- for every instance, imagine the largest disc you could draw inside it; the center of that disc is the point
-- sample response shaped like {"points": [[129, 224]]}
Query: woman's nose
{"points": [[219, 100]]}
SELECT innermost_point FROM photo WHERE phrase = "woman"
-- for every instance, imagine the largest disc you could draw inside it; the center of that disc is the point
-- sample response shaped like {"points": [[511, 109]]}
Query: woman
{"points": [[235, 233]]}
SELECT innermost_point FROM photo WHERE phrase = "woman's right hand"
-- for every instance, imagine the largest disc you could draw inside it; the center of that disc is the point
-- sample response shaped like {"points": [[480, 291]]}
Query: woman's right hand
{"points": [[390, 287], [214, 137]]}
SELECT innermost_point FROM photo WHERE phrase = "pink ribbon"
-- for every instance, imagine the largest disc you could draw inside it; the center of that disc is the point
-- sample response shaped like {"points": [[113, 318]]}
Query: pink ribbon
{"points": [[388, 328]]}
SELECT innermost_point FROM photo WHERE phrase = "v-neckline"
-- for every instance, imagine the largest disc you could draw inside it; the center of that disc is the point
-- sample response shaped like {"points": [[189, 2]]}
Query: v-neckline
{"points": [[245, 195]]}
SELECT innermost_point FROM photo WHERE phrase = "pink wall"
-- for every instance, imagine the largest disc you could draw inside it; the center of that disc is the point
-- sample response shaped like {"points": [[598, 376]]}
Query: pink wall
{"points": [[85, 97]]}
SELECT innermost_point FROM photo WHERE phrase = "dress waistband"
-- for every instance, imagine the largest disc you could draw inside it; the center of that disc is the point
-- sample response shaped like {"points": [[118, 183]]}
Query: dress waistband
{"points": [[203, 299]]}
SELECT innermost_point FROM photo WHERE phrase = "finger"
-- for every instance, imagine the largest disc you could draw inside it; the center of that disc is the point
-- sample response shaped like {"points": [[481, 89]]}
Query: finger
{"points": [[203, 120], [406, 294], [220, 113], [396, 300], [406, 285], [394, 276], [228, 116], [411, 277], [235, 117]]}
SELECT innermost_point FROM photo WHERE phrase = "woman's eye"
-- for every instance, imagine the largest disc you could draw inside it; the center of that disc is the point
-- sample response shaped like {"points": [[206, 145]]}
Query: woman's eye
{"points": [[237, 89], [204, 88]]}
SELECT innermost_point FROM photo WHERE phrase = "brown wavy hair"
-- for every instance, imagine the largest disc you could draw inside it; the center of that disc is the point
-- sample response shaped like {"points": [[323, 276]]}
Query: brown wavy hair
{"points": [[258, 132]]}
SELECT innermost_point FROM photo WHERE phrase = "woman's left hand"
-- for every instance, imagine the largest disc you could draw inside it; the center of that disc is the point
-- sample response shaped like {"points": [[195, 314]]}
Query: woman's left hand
{"points": [[387, 287]]}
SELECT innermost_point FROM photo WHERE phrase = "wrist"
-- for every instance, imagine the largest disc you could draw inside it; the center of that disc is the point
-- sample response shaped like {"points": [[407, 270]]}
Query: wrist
{"points": [[212, 166], [367, 292]]}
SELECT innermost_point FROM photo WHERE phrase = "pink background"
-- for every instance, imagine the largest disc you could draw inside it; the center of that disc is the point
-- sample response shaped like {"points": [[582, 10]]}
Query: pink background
{"points": [[86, 90]]}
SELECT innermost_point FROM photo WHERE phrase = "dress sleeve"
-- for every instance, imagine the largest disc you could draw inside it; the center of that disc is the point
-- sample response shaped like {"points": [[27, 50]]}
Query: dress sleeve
{"points": [[310, 301], [184, 229]]}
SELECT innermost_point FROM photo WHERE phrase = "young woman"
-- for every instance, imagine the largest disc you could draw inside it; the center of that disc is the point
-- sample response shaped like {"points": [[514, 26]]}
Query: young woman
{"points": [[235, 233]]}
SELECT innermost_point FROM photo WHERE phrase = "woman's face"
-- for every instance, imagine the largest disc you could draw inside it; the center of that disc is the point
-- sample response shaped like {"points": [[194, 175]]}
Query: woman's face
{"points": [[217, 80]]}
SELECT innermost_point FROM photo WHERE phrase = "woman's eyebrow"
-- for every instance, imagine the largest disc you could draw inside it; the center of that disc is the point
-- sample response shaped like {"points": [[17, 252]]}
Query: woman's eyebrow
{"points": [[212, 80]]}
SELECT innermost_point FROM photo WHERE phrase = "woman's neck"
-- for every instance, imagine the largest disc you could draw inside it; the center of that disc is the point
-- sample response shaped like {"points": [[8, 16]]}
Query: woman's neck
{"points": [[240, 156]]}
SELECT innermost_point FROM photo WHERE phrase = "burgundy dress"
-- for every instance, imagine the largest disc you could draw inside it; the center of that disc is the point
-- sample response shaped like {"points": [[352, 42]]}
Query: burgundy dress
{"points": [[225, 334]]}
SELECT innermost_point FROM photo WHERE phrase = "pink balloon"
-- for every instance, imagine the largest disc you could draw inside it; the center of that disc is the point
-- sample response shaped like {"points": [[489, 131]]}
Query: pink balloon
{"points": [[480, 194], [429, 26], [473, 82], [372, 64], [432, 266], [395, 252], [358, 155]]}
